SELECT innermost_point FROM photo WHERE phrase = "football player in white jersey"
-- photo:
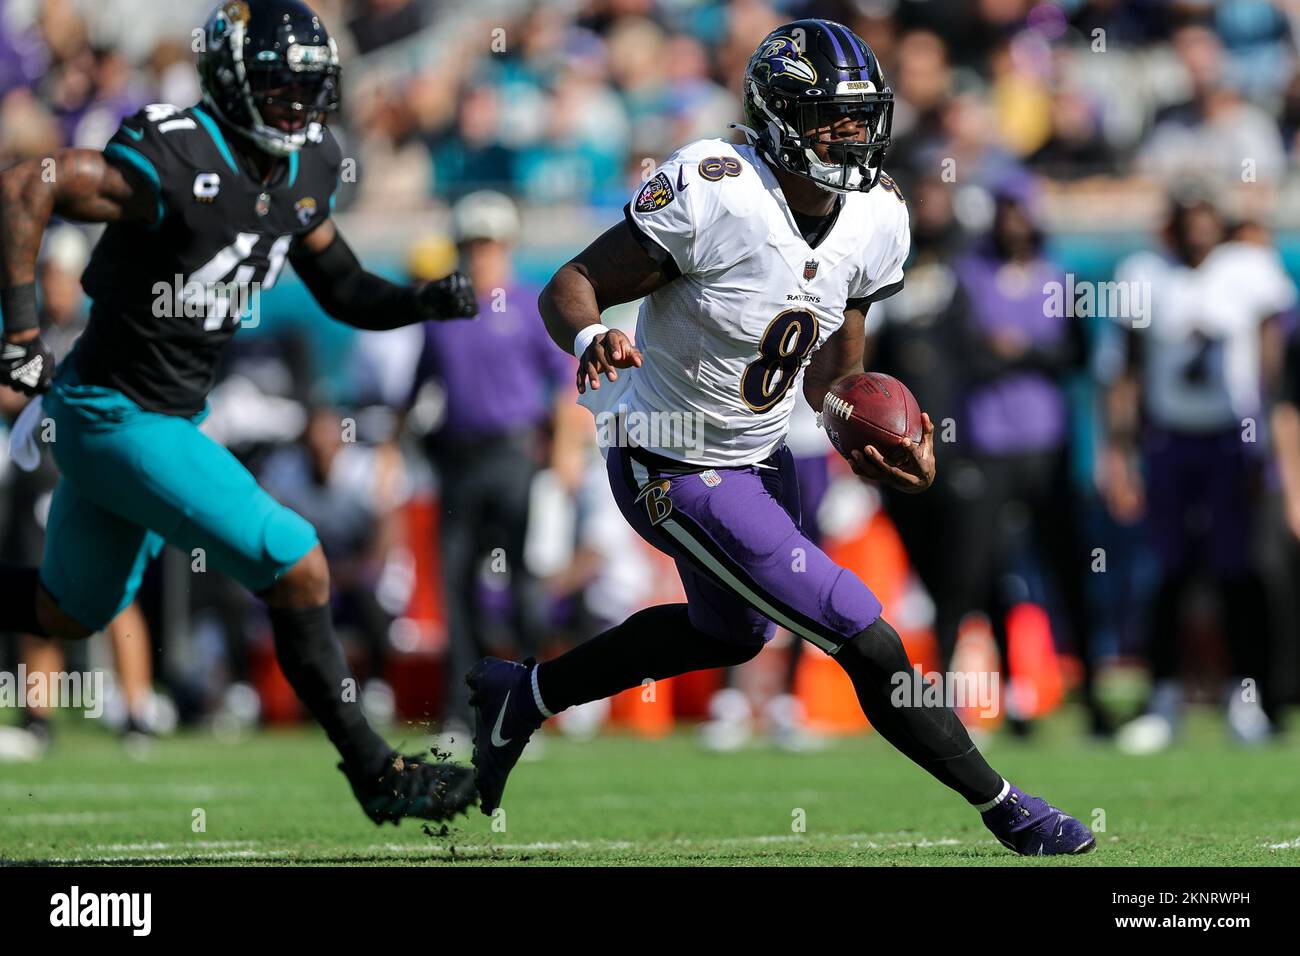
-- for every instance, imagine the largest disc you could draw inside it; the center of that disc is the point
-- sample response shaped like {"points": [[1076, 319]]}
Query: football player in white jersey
{"points": [[1188, 407], [756, 265]]}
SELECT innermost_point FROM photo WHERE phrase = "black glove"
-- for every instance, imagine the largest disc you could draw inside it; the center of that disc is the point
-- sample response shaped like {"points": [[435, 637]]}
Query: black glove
{"points": [[27, 367], [449, 298]]}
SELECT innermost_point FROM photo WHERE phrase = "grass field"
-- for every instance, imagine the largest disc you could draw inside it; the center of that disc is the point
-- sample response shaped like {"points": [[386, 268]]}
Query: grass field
{"points": [[275, 798]]}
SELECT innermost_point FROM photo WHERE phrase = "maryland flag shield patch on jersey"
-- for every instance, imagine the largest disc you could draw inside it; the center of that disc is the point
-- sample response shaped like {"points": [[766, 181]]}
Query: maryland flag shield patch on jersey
{"points": [[655, 194]]}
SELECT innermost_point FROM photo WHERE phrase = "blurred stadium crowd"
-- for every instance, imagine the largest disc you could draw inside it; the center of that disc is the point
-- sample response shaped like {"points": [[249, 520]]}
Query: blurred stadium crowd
{"points": [[1114, 479]]}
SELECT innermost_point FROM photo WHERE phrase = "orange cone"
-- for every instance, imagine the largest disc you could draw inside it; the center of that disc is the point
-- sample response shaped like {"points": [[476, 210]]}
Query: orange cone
{"points": [[1035, 669]]}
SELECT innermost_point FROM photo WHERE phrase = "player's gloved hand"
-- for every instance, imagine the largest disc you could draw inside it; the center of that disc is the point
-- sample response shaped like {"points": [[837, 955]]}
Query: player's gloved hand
{"points": [[26, 366], [915, 472], [608, 351], [449, 298]]}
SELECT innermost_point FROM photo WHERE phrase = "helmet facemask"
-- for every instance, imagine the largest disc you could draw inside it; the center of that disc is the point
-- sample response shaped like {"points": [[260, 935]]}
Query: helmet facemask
{"points": [[275, 100], [838, 142], [285, 104]]}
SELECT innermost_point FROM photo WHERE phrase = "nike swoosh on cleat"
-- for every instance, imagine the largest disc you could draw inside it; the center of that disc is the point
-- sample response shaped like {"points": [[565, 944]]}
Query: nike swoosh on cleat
{"points": [[497, 739]]}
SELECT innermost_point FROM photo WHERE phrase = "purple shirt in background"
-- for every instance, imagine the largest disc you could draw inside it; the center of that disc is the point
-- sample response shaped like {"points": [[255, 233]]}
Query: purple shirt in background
{"points": [[500, 371], [1023, 410], [23, 58]]}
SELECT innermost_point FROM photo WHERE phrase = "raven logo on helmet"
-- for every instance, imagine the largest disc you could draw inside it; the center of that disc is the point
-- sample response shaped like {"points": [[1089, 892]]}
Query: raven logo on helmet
{"points": [[780, 56], [836, 133]]}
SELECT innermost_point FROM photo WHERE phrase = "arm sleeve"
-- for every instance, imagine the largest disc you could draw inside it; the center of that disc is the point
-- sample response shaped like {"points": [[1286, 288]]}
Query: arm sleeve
{"points": [[350, 294]]}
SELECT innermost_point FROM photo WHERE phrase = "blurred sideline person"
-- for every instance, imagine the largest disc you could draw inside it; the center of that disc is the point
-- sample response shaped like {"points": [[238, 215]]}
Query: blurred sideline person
{"points": [[1013, 482], [1185, 450], [499, 380], [913, 336], [1286, 440], [63, 318], [608, 573], [352, 492]]}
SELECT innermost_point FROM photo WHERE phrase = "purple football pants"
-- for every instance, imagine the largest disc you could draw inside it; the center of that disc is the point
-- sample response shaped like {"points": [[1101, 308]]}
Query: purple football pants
{"points": [[744, 561], [1201, 500]]}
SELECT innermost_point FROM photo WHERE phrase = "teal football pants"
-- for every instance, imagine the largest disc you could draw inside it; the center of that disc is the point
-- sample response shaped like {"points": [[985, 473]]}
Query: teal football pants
{"points": [[133, 480]]}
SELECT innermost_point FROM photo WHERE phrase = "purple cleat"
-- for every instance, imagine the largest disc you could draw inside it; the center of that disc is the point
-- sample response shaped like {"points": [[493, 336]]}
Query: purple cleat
{"points": [[505, 716], [1033, 827]]}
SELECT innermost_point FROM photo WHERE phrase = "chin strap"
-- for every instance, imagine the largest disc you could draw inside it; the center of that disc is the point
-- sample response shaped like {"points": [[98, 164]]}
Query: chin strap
{"points": [[749, 133]]}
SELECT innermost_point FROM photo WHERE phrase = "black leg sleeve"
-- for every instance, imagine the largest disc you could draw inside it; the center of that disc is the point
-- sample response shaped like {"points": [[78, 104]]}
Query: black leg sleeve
{"points": [[931, 737], [312, 659], [655, 643], [18, 585]]}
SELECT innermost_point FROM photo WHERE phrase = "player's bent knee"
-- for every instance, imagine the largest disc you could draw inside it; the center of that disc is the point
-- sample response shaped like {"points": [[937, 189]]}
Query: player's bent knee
{"points": [[311, 576], [877, 647], [738, 654], [848, 606], [57, 622], [306, 584]]}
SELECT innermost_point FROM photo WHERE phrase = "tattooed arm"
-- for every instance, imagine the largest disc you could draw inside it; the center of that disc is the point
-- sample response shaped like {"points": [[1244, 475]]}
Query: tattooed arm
{"points": [[77, 184]]}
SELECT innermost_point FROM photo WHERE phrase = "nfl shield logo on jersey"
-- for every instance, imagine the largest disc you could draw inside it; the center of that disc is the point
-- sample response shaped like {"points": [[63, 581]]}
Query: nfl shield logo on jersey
{"points": [[810, 270], [711, 478]]}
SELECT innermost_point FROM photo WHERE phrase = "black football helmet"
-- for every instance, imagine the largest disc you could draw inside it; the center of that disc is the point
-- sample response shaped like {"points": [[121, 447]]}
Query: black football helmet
{"points": [[270, 70], [816, 83]]}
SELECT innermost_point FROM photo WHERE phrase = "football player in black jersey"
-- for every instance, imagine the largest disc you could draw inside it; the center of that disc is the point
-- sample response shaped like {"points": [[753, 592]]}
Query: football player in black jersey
{"points": [[204, 207]]}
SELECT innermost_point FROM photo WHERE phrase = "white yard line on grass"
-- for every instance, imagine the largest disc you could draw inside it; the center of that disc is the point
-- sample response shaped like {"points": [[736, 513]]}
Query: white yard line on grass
{"points": [[212, 850], [68, 819], [1288, 845], [120, 791]]}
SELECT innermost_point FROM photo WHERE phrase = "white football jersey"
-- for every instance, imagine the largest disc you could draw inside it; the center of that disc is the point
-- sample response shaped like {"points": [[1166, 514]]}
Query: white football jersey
{"points": [[728, 340], [1202, 360]]}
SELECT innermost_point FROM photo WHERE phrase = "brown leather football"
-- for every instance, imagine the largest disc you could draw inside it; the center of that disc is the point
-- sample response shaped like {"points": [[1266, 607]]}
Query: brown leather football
{"points": [[871, 408]]}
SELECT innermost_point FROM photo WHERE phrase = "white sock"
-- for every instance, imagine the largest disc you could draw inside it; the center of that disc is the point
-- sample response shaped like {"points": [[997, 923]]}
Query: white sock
{"points": [[1002, 795], [537, 694]]}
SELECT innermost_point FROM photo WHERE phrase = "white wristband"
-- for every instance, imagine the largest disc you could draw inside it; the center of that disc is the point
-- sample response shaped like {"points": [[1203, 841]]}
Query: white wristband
{"points": [[583, 339]]}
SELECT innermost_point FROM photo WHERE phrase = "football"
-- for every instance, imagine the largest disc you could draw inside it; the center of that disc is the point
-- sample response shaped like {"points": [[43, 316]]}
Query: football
{"points": [[871, 408]]}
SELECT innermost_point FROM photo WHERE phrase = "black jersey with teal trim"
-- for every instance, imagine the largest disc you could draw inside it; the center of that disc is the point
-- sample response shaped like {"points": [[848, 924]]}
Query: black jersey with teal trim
{"points": [[168, 296]]}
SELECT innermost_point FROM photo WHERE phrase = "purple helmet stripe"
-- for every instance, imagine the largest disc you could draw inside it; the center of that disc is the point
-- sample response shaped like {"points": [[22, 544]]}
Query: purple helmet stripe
{"points": [[839, 51], [849, 39]]}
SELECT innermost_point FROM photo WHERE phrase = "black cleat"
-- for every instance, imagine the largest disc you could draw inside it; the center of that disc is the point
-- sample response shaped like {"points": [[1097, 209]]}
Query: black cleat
{"points": [[501, 730], [413, 787]]}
